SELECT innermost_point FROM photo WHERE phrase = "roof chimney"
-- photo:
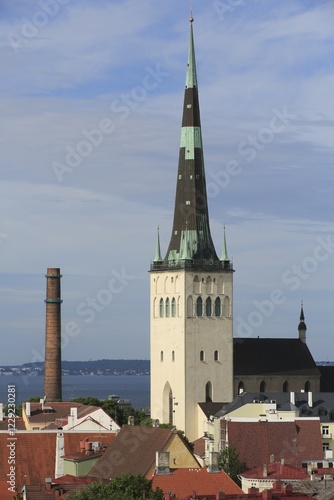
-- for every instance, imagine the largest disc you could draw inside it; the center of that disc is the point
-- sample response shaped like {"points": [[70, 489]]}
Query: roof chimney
{"points": [[131, 420], [48, 483], [1, 412], [162, 463], [28, 409], [213, 462], [265, 470], [292, 398], [309, 399], [74, 415]]}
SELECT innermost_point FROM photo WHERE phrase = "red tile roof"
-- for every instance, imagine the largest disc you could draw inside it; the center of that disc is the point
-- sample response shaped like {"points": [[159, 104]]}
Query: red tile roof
{"points": [[35, 455], [276, 471], [184, 482], [293, 441]]}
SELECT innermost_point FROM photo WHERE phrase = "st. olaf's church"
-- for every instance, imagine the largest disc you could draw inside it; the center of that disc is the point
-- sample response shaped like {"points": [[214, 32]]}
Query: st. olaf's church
{"points": [[195, 361]]}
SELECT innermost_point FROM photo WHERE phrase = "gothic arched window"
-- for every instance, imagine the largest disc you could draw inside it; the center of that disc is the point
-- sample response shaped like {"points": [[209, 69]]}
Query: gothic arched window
{"points": [[208, 307], [199, 307], [217, 307]]}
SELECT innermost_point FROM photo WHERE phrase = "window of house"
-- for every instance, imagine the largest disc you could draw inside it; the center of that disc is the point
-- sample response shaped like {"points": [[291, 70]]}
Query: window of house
{"points": [[241, 387], [161, 308], [325, 430], [263, 386]]}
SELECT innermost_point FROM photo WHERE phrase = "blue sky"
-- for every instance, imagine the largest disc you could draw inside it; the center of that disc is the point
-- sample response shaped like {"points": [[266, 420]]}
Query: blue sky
{"points": [[111, 74]]}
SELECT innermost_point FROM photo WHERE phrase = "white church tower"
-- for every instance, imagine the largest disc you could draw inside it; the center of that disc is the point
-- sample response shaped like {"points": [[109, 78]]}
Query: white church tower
{"points": [[191, 298]]}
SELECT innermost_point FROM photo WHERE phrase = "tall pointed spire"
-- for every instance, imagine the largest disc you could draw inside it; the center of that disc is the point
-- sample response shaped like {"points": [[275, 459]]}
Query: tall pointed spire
{"points": [[157, 257], [224, 256], [302, 326], [191, 216]]}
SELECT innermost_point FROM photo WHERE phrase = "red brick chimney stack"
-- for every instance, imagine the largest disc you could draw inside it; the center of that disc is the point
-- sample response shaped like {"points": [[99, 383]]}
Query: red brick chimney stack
{"points": [[52, 370]]}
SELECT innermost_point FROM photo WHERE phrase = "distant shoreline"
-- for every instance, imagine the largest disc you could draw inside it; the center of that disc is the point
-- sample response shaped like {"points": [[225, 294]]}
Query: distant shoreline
{"points": [[85, 368]]}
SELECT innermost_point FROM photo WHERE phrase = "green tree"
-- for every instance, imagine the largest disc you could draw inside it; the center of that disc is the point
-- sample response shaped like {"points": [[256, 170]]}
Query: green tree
{"points": [[119, 413], [229, 462], [126, 487]]}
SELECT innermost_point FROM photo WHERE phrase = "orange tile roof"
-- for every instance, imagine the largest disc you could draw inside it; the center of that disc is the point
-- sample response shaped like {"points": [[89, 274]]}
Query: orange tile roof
{"points": [[275, 471], [183, 482]]}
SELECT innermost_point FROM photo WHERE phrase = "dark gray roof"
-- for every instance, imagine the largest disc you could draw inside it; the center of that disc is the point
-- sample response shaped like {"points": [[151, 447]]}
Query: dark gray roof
{"points": [[322, 403], [211, 408], [327, 378], [256, 356]]}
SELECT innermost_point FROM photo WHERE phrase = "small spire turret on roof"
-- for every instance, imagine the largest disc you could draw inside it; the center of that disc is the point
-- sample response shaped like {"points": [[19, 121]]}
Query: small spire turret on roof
{"points": [[157, 257], [224, 256], [302, 326]]}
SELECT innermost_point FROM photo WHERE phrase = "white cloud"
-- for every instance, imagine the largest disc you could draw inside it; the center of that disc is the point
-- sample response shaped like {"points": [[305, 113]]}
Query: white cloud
{"points": [[263, 56]]}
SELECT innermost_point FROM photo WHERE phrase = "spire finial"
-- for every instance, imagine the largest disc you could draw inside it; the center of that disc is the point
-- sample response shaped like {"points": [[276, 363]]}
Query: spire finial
{"points": [[191, 19], [157, 257], [224, 256]]}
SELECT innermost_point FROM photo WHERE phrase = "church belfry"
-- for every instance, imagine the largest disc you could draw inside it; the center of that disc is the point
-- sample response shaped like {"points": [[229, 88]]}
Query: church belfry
{"points": [[191, 298]]}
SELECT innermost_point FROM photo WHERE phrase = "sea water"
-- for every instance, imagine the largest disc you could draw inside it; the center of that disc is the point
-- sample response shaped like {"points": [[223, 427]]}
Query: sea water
{"points": [[136, 388]]}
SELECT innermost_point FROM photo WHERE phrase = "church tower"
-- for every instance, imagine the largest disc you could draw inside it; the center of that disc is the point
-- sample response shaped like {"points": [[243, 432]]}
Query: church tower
{"points": [[191, 298]]}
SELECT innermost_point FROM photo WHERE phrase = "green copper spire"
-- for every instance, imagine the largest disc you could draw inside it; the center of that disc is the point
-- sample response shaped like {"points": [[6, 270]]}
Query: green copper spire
{"points": [[157, 257], [191, 78], [191, 214], [224, 256]]}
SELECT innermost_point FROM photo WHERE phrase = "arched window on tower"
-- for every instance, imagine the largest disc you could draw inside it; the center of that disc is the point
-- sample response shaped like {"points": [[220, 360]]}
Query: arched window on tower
{"points": [[171, 410], [208, 285], [201, 356], [216, 356], [241, 387], [190, 311], [173, 356], [263, 386], [286, 386], [173, 307], [161, 355], [220, 285], [217, 307], [208, 307], [307, 386], [196, 284], [226, 307], [199, 307], [161, 308], [208, 393], [167, 308]]}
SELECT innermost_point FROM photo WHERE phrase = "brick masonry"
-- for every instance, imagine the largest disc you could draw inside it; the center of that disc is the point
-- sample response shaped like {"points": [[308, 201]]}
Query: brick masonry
{"points": [[52, 372]]}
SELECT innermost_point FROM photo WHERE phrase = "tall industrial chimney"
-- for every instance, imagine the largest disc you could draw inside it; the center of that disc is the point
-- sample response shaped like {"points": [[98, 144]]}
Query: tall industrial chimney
{"points": [[52, 370]]}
